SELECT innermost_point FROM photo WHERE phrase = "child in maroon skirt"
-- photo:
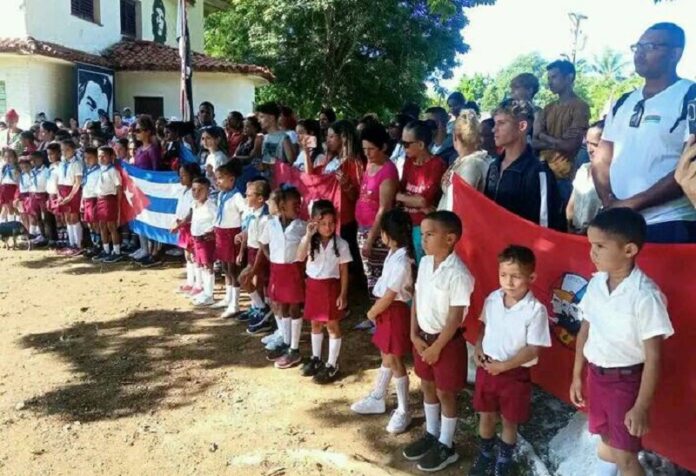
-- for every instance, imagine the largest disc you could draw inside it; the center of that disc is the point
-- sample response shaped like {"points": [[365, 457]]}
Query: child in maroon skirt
{"points": [[182, 226], [228, 224], [23, 201], [90, 179], [9, 177], [202, 231], [69, 196], [514, 327], [109, 189], [39, 198], [624, 323], [326, 288], [254, 278], [280, 240], [392, 316]]}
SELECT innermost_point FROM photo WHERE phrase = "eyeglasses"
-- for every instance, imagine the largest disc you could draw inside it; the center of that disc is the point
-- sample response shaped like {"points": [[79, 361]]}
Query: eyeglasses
{"points": [[637, 116], [407, 143], [648, 46]]}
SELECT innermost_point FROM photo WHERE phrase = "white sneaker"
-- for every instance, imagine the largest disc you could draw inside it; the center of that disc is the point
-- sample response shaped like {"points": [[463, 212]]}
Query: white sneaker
{"points": [[369, 406], [137, 254], [203, 300], [271, 337], [227, 313], [275, 342], [398, 422], [220, 304]]}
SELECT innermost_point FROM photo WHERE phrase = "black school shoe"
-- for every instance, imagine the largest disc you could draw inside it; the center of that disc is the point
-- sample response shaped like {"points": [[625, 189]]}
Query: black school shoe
{"points": [[438, 457], [327, 374], [312, 367], [420, 447], [483, 466]]}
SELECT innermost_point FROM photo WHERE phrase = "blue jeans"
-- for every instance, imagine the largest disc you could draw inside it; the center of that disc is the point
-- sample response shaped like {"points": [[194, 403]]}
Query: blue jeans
{"points": [[672, 232]]}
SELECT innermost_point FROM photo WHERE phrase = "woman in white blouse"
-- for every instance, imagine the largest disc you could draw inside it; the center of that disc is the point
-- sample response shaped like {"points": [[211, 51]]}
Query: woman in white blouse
{"points": [[472, 162]]}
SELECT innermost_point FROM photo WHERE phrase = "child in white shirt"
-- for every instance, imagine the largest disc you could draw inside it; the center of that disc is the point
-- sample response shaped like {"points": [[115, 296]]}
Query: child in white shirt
{"points": [[182, 226], [202, 230], [90, 179], [109, 190]]}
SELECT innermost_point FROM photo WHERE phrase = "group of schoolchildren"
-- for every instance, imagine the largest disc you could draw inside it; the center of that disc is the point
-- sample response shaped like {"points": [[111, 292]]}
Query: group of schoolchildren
{"points": [[294, 269], [74, 190]]}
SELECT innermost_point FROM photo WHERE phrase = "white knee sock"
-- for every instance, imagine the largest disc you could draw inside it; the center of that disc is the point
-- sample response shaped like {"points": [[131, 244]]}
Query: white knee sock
{"points": [[234, 299], [317, 341], [279, 323], [447, 430], [384, 374], [117, 249], [105, 247], [198, 275], [71, 235], [287, 331], [432, 418], [228, 293], [190, 273], [296, 331], [78, 235], [402, 393], [256, 300], [334, 350], [208, 283], [605, 468]]}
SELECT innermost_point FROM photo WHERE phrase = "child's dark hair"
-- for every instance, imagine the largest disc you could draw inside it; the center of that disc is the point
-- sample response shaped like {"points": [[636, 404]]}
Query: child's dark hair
{"points": [[232, 168], [202, 181], [193, 169], [36, 155], [62, 135], [320, 209], [262, 187], [26, 135], [519, 255], [622, 223], [288, 192], [397, 225], [447, 220], [123, 143], [108, 151], [54, 147], [68, 143], [269, 108], [91, 151]]}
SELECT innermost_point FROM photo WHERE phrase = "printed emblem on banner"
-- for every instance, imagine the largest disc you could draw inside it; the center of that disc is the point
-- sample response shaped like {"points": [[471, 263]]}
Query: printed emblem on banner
{"points": [[566, 295]]}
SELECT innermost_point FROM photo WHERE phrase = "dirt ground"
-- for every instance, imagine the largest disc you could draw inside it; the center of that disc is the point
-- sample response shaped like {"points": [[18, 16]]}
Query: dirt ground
{"points": [[104, 370]]}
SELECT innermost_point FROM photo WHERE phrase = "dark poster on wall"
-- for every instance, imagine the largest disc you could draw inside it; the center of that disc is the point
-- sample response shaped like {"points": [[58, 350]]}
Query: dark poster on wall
{"points": [[95, 92]]}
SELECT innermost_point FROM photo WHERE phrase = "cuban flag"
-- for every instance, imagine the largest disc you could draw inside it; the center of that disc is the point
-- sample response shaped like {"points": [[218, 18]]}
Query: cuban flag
{"points": [[149, 202]]}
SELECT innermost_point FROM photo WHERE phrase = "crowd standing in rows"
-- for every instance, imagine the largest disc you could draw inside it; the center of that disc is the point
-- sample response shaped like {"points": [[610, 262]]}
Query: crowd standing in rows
{"points": [[613, 181]]}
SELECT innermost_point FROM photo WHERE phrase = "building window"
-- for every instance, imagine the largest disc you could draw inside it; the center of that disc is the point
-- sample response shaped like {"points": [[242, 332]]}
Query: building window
{"points": [[154, 106], [85, 9], [3, 98], [129, 18]]}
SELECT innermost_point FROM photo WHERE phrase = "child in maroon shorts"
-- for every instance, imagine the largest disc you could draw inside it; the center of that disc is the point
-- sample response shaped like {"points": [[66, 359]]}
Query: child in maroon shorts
{"points": [[624, 320], [441, 301], [109, 190], [326, 288], [392, 316], [514, 325], [203, 212], [69, 196], [90, 179]]}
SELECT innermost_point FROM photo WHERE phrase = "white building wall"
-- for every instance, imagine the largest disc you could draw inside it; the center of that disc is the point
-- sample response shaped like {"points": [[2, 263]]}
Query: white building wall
{"points": [[195, 20], [51, 20], [228, 92], [13, 22]]}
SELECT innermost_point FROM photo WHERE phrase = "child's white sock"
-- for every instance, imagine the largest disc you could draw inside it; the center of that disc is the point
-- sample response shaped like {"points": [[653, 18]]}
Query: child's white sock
{"points": [[190, 273], [71, 235], [317, 341], [78, 235], [401, 393], [228, 293], [287, 332], [432, 418], [234, 298], [199, 277], [383, 376], [256, 300], [208, 283], [105, 247], [117, 249], [447, 430], [605, 468], [334, 350], [296, 331]]}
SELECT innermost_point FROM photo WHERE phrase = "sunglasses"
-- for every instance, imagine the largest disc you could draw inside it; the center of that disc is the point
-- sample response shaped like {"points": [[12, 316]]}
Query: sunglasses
{"points": [[637, 116], [407, 143]]}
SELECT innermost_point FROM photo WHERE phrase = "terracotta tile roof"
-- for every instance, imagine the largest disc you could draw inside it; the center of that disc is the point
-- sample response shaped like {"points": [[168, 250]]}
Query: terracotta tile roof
{"points": [[31, 46], [132, 55]]}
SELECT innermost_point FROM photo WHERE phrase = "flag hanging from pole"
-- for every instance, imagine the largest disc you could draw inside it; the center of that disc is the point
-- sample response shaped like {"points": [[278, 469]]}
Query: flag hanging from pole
{"points": [[182, 36]]}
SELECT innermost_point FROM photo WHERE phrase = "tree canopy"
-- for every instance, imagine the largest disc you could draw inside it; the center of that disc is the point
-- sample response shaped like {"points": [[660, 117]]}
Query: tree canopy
{"points": [[354, 55]]}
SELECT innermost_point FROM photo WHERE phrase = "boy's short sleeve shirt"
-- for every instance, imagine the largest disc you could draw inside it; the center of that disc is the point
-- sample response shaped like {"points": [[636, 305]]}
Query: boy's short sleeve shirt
{"points": [[451, 284], [508, 330], [256, 228], [68, 172], [619, 322], [109, 181]]}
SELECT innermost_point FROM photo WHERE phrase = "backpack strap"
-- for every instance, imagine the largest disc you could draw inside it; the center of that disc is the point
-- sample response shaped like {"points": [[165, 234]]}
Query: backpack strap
{"points": [[619, 102], [688, 97]]}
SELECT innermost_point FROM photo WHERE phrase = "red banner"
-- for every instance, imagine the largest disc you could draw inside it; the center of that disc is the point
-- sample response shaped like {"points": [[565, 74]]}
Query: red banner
{"points": [[563, 269], [311, 187]]}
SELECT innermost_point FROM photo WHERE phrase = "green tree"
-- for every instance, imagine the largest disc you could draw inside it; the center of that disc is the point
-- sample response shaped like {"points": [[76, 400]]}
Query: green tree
{"points": [[474, 87], [355, 55], [610, 65]]}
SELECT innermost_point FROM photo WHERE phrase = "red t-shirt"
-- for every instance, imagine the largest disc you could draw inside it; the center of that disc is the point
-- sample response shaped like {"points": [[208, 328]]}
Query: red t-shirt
{"points": [[423, 180]]}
